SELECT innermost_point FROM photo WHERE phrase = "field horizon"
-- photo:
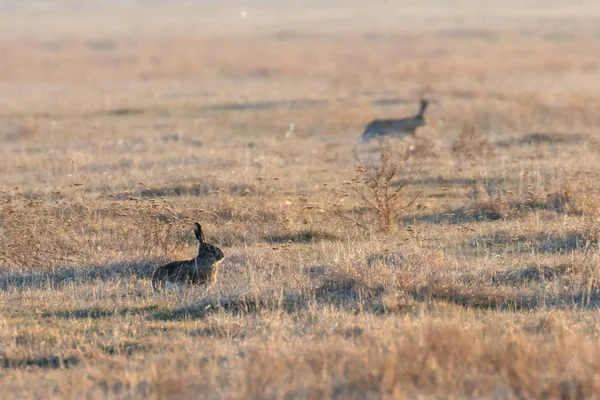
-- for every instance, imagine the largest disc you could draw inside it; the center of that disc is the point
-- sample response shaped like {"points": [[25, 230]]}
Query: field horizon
{"points": [[122, 125]]}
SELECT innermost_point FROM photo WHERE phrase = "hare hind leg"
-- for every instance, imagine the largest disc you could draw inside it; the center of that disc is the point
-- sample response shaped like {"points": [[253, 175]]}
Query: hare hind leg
{"points": [[158, 278], [174, 286]]}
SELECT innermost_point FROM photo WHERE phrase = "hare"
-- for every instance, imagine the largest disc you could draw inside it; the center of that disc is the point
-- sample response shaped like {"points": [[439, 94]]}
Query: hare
{"points": [[201, 269], [395, 127]]}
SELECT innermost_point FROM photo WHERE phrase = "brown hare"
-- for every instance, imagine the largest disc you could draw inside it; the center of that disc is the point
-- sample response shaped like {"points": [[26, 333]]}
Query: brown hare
{"points": [[201, 269], [395, 127]]}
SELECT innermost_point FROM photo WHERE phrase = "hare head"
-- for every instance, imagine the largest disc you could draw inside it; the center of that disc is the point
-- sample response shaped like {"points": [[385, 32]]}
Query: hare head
{"points": [[205, 248]]}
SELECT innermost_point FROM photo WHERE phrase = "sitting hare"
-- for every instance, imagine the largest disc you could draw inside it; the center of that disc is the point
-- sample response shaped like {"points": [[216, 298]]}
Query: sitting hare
{"points": [[201, 269]]}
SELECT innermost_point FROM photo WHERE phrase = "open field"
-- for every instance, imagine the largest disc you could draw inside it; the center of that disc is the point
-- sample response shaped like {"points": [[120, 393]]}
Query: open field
{"points": [[121, 127]]}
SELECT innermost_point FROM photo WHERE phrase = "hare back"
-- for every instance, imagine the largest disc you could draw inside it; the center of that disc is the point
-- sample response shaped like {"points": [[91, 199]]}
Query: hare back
{"points": [[197, 272], [159, 277]]}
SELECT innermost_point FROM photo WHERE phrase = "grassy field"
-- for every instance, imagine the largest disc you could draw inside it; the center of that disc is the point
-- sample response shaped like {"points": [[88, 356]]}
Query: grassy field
{"points": [[121, 127]]}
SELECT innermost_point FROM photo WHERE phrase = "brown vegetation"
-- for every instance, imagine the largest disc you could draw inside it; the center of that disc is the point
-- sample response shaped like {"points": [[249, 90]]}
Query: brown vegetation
{"points": [[112, 144]]}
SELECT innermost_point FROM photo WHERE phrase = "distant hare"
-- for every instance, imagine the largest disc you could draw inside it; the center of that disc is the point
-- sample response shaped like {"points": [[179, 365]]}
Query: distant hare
{"points": [[201, 269], [396, 127]]}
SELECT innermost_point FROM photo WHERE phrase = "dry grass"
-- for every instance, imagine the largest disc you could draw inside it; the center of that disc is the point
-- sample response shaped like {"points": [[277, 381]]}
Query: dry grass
{"points": [[112, 145]]}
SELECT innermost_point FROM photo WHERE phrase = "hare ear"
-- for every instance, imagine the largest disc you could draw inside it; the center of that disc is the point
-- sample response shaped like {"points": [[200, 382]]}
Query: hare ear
{"points": [[198, 232]]}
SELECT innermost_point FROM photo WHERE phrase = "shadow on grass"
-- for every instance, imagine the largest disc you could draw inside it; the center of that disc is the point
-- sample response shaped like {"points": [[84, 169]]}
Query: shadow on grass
{"points": [[468, 297], [218, 107], [504, 243], [392, 101], [490, 183], [459, 216], [348, 294], [354, 297], [120, 112], [265, 105], [468, 34], [301, 237], [40, 279], [99, 313], [489, 299], [231, 188], [519, 277], [512, 290], [545, 138], [234, 305], [49, 362], [519, 289], [531, 274], [489, 211], [555, 202], [127, 348]]}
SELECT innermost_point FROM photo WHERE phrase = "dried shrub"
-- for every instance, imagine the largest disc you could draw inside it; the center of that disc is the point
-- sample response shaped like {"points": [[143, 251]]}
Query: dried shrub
{"points": [[374, 185], [379, 187]]}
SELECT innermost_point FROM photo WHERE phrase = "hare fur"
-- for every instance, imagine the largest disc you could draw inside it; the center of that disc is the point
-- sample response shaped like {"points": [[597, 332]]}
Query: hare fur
{"points": [[201, 269], [396, 127]]}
